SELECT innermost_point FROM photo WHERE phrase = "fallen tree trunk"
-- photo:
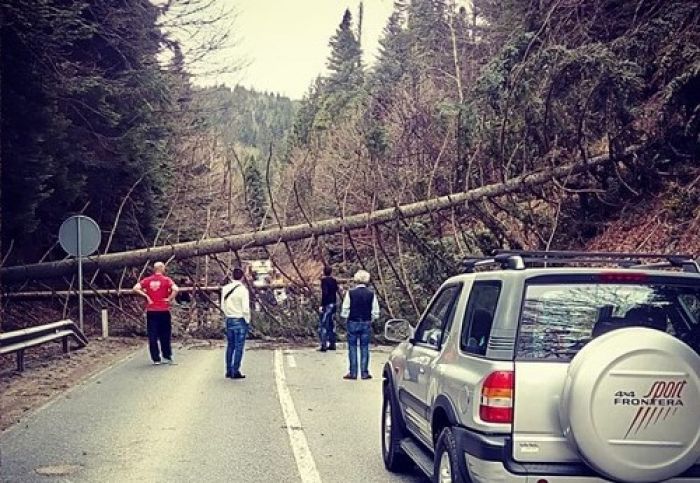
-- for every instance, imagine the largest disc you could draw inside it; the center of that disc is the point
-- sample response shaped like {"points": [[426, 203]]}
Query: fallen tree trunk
{"points": [[127, 292], [331, 226]]}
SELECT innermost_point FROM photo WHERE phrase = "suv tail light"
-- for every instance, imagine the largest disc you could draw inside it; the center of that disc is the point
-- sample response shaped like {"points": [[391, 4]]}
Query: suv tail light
{"points": [[497, 397]]}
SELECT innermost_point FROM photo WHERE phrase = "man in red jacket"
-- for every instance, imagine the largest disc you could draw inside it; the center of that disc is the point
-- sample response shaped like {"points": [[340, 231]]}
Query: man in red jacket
{"points": [[159, 291]]}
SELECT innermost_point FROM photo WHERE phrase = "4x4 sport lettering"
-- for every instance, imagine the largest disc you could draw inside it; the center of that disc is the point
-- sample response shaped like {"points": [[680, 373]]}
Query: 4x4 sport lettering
{"points": [[662, 395], [667, 389], [647, 402]]}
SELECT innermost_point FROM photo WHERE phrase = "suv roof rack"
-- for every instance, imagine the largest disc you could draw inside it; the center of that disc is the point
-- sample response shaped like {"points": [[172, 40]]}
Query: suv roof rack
{"points": [[517, 260], [504, 261]]}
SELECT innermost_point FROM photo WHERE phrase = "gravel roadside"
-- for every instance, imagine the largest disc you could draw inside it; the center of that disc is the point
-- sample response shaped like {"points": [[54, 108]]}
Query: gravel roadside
{"points": [[49, 373]]}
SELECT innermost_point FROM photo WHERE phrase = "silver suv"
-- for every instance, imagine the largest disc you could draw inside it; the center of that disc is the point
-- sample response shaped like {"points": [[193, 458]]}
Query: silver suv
{"points": [[555, 374]]}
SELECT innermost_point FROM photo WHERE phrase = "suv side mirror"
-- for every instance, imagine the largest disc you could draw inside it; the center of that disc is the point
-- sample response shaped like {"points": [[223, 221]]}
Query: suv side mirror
{"points": [[397, 330]]}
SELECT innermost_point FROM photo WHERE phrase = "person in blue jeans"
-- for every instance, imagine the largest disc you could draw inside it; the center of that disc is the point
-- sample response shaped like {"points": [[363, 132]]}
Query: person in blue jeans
{"points": [[326, 324], [360, 308], [235, 303]]}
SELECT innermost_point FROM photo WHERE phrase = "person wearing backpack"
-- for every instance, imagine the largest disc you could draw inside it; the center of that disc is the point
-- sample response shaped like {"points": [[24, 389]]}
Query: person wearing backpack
{"points": [[235, 303]]}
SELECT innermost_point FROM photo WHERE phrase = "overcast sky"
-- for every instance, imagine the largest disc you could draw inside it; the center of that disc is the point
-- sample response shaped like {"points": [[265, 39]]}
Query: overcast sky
{"points": [[285, 42]]}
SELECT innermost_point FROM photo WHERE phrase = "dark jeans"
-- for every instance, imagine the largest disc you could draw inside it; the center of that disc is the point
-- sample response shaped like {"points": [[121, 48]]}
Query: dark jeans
{"points": [[359, 331], [236, 332], [159, 327], [326, 326]]}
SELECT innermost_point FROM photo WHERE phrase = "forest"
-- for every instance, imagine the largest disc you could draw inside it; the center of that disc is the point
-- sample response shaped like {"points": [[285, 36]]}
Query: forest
{"points": [[97, 119]]}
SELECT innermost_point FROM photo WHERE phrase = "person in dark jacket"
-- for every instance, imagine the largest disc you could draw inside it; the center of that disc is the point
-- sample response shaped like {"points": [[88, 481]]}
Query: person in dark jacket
{"points": [[360, 308], [329, 302]]}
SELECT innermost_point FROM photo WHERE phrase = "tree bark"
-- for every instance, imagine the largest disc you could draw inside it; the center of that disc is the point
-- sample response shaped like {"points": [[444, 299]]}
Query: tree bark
{"points": [[262, 238]]}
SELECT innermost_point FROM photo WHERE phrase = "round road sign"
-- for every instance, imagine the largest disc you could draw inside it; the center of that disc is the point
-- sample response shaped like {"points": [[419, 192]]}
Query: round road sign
{"points": [[79, 236]]}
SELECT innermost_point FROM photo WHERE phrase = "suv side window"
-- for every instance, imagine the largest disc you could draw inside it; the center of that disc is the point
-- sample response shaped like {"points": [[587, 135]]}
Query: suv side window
{"points": [[451, 316], [430, 328], [478, 318]]}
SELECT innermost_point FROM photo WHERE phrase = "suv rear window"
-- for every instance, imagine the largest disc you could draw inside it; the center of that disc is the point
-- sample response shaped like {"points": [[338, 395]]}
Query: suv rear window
{"points": [[557, 320]]}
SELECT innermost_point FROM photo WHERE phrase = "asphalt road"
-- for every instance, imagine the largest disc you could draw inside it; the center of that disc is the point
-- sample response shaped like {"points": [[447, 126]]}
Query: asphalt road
{"points": [[292, 419]]}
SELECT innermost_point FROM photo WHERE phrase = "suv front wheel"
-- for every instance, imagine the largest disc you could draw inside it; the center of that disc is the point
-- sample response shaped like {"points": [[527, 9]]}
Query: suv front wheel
{"points": [[394, 458], [447, 467]]}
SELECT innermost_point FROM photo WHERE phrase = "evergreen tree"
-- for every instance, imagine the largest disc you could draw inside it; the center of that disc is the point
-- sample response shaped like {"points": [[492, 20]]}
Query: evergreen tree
{"points": [[304, 119], [430, 38], [41, 163], [345, 60], [84, 101], [255, 192], [346, 75], [394, 50]]}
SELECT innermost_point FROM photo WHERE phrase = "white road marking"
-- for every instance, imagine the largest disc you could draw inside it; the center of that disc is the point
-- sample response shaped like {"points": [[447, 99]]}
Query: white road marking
{"points": [[291, 361], [297, 438]]}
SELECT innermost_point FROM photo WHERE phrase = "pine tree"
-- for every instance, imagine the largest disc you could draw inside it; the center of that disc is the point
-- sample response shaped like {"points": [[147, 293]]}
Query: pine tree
{"points": [[255, 192], [83, 118], [345, 60], [430, 38], [346, 75], [394, 50], [41, 163]]}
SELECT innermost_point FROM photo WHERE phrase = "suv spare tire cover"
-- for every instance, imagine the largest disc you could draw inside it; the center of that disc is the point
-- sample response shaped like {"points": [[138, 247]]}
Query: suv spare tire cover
{"points": [[631, 405]]}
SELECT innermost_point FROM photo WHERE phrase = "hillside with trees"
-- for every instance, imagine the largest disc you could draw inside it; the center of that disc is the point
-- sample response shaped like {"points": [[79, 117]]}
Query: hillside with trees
{"points": [[462, 95], [245, 117]]}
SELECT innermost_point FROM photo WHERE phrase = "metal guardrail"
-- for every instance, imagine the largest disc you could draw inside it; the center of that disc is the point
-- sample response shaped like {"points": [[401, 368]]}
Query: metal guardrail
{"points": [[18, 341]]}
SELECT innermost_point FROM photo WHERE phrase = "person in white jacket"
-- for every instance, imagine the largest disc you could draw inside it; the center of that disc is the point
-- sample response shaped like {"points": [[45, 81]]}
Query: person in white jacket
{"points": [[235, 303]]}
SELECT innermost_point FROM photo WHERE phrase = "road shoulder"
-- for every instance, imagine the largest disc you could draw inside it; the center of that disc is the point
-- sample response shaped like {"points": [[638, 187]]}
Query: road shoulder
{"points": [[50, 374]]}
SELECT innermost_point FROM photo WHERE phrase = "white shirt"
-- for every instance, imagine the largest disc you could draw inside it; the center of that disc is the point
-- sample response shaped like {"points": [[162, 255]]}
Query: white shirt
{"points": [[345, 309], [237, 305]]}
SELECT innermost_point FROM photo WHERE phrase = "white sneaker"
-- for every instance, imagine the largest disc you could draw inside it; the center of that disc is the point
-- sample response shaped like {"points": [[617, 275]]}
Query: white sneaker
{"points": [[170, 362], [156, 363]]}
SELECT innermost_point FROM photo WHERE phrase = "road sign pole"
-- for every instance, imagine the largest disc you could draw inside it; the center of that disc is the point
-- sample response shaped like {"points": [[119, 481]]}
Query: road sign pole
{"points": [[80, 276], [80, 237]]}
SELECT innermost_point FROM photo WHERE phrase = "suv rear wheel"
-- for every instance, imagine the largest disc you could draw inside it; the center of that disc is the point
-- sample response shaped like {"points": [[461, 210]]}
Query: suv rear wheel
{"points": [[447, 467], [392, 433]]}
